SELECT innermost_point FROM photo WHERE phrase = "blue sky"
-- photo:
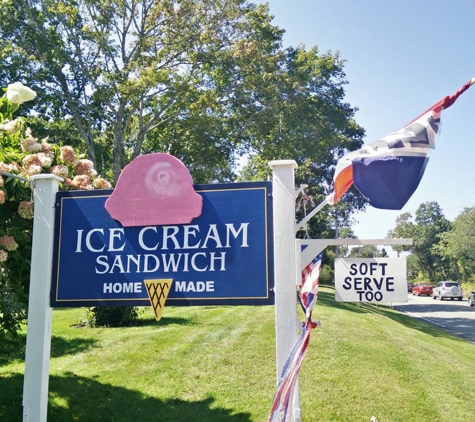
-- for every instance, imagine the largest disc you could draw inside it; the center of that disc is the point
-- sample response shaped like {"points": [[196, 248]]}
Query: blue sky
{"points": [[401, 57]]}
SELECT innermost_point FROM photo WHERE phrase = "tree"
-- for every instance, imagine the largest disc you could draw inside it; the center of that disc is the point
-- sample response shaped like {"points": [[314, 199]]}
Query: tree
{"points": [[305, 118], [367, 251], [205, 80], [344, 233], [426, 230], [404, 229], [459, 243], [121, 70], [414, 270]]}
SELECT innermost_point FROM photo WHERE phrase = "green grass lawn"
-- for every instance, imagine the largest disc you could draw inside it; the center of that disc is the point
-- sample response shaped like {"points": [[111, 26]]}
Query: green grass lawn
{"points": [[218, 364]]}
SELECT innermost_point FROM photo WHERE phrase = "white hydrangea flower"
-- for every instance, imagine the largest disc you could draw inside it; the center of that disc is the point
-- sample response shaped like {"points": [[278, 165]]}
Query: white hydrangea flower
{"points": [[11, 126], [18, 93]]}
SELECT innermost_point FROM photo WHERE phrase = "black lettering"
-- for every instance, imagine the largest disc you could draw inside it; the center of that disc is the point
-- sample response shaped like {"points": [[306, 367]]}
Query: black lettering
{"points": [[380, 284], [367, 283], [363, 268], [347, 283], [389, 284], [373, 267]]}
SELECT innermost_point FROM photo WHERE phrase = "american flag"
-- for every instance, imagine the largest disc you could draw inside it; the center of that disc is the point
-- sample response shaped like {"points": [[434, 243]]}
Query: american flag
{"points": [[308, 294], [309, 289]]}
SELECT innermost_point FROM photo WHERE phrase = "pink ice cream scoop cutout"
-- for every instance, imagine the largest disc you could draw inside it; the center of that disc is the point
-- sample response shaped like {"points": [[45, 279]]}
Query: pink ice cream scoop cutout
{"points": [[154, 190]]}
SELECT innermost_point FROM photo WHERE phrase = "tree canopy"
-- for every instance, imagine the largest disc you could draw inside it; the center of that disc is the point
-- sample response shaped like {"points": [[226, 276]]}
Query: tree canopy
{"points": [[207, 81], [459, 243], [426, 229]]}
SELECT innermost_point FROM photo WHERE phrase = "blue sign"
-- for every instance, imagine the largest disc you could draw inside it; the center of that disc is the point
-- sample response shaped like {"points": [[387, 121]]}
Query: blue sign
{"points": [[223, 257]]}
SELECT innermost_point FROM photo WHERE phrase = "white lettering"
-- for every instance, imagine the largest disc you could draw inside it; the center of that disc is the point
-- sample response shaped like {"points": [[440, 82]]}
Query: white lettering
{"points": [[171, 236], [194, 286], [231, 230], [79, 241], [115, 234], [117, 263], [102, 260], [146, 268], [88, 240], [190, 231], [141, 242], [136, 261], [214, 235], [171, 261], [122, 287], [149, 263], [213, 258], [193, 262]]}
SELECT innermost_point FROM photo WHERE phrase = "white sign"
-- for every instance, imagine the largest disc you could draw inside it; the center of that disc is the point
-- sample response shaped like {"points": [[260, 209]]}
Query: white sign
{"points": [[370, 280]]}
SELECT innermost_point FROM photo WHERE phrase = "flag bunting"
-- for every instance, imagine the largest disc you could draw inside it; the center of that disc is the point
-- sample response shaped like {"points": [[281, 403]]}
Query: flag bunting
{"points": [[308, 294]]}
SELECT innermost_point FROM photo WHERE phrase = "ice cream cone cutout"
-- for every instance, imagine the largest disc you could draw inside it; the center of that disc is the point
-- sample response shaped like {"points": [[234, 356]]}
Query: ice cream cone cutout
{"points": [[158, 290]]}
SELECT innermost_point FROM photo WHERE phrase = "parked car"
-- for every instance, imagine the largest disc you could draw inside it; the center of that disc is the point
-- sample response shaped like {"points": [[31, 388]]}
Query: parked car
{"points": [[447, 289], [409, 287], [422, 289], [471, 299]]}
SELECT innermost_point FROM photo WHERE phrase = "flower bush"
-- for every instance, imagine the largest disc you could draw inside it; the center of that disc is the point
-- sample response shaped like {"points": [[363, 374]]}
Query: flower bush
{"points": [[22, 156]]}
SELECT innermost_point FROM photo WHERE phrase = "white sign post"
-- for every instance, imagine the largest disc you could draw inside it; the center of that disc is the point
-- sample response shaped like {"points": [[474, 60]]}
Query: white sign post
{"points": [[38, 339], [286, 318]]}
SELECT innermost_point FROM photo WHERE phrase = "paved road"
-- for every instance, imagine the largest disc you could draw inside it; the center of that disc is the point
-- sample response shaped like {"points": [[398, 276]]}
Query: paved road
{"points": [[455, 317]]}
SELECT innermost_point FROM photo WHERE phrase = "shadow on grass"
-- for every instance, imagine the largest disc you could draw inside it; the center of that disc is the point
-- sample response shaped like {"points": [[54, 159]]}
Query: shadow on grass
{"points": [[61, 346], [81, 399], [164, 321], [327, 298]]}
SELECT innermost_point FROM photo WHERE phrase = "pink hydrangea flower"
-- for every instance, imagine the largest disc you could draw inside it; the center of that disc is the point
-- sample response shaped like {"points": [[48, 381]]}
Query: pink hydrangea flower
{"points": [[2, 197], [25, 209], [101, 183], [67, 155], [4, 167], [85, 167], [82, 182], [30, 146], [46, 160], [34, 169], [9, 168], [2, 182], [45, 146], [14, 168], [31, 160], [8, 243], [61, 171]]}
